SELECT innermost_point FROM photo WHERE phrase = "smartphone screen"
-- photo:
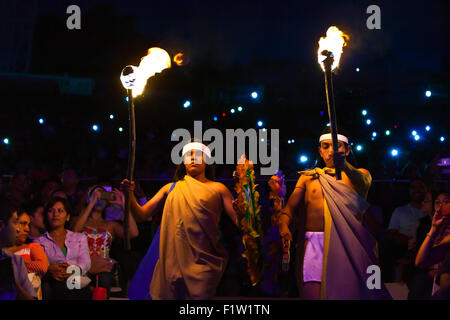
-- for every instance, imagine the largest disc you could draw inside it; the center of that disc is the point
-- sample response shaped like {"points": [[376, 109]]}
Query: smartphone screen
{"points": [[109, 189]]}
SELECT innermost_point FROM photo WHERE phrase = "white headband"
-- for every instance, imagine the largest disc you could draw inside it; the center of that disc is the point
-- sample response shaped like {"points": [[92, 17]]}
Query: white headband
{"points": [[328, 137], [197, 146]]}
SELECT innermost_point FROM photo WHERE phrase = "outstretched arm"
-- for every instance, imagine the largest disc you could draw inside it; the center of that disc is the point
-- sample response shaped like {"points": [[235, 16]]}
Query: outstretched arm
{"points": [[143, 213]]}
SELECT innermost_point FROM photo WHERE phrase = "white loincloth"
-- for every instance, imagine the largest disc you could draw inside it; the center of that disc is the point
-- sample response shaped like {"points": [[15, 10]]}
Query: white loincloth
{"points": [[312, 262]]}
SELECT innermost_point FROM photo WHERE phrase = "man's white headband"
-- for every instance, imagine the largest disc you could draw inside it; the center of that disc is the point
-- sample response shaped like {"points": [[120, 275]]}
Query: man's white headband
{"points": [[328, 137], [197, 146]]}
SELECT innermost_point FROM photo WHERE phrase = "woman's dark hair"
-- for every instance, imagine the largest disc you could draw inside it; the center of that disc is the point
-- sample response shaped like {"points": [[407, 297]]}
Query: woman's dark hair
{"points": [[180, 171], [66, 204], [21, 211]]}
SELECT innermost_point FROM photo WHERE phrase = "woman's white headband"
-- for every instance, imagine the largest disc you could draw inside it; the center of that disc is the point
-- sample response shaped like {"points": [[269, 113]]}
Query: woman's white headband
{"points": [[197, 146], [328, 137]]}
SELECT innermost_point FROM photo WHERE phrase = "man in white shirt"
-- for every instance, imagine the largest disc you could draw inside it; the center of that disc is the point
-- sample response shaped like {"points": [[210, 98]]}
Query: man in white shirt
{"points": [[401, 233]]}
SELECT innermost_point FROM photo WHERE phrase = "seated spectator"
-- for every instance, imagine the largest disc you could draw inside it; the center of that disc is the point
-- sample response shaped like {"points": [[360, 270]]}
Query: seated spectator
{"points": [[32, 254], [14, 283], [63, 249], [36, 213], [400, 243], [436, 246], [100, 233]]}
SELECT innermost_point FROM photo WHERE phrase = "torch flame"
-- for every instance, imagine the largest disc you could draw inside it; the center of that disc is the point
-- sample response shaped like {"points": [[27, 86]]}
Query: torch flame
{"points": [[333, 42], [155, 61], [179, 59]]}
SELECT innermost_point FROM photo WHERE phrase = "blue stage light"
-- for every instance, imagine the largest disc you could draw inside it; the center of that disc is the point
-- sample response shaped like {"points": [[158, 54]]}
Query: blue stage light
{"points": [[187, 104], [364, 112], [394, 152], [254, 95], [368, 122], [111, 116], [120, 129], [303, 158], [427, 128], [388, 132], [239, 109], [260, 123], [232, 111], [6, 141], [41, 120], [442, 139], [95, 127], [359, 147], [428, 93], [215, 118]]}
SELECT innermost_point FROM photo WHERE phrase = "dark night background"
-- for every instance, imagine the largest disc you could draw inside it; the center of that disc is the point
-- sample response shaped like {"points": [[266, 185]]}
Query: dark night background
{"points": [[233, 48], [70, 79]]}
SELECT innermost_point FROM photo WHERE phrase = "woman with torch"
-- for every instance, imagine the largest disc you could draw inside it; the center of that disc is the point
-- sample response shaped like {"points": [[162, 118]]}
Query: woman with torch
{"points": [[335, 251], [190, 259]]}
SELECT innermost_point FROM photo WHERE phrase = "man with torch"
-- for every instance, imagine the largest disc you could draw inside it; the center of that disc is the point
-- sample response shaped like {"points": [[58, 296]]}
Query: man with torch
{"points": [[334, 250]]}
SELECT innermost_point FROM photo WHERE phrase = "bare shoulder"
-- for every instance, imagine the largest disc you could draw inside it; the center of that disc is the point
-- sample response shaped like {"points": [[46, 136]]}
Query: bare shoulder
{"points": [[166, 188], [303, 181], [364, 171]]}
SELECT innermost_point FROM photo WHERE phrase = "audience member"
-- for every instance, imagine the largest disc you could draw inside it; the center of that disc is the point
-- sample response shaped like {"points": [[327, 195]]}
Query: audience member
{"points": [[63, 249], [398, 247], [100, 233], [32, 254], [436, 246], [14, 282]]}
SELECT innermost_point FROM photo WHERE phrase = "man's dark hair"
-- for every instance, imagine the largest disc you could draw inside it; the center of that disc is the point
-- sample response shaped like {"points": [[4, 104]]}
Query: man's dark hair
{"points": [[6, 210]]}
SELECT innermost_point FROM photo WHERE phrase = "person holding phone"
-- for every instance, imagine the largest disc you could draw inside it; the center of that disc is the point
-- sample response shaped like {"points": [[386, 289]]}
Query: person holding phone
{"points": [[435, 249], [100, 233]]}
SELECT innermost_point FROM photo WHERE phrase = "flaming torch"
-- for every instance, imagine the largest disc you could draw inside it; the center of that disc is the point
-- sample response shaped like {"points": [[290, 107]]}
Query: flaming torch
{"points": [[328, 55], [134, 80]]}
